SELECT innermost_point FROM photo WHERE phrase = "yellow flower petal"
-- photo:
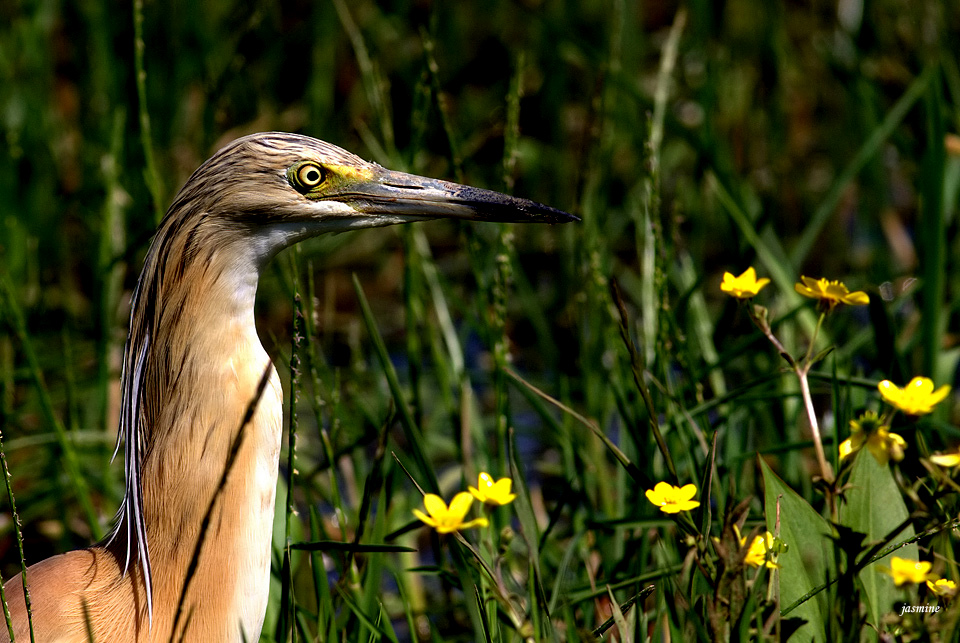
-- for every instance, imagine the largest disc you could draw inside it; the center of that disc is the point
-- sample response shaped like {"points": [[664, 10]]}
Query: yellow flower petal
{"points": [[857, 298], [945, 459], [687, 492], [846, 448], [434, 504], [943, 587], [501, 490], [460, 505], [895, 446]]}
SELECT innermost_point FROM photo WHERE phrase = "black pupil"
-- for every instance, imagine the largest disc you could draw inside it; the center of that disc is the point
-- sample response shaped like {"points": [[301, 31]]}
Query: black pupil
{"points": [[312, 176]]}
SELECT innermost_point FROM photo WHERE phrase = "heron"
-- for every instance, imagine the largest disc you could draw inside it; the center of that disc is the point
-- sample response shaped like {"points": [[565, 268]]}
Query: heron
{"points": [[188, 558]]}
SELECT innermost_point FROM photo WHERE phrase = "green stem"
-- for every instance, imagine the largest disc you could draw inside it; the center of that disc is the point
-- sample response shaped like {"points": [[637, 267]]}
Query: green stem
{"points": [[813, 342]]}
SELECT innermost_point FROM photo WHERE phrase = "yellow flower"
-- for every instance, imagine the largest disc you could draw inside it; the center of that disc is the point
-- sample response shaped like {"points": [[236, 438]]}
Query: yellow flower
{"points": [[883, 445], [493, 493], [946, 459], [943, 587], [447, 519], [672, 499], [745, 286], [846, 448], [759, 549], [904, 571], [916, 398], [830, 293]]}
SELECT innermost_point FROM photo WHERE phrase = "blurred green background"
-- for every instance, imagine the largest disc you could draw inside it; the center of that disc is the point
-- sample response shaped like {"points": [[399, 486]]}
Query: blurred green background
{"points": [[806, 137]]}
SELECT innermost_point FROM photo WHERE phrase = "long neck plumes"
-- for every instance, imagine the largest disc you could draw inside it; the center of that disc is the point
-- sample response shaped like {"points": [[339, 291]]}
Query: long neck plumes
{"points": [[192, 366]]}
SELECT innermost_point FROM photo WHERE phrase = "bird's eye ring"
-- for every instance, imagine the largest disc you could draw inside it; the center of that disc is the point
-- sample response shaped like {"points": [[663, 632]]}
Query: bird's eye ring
{"points": [[308, 176]]}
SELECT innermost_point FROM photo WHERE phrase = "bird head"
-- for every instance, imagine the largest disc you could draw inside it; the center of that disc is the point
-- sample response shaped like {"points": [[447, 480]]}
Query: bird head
{"points": [[282, 188]]}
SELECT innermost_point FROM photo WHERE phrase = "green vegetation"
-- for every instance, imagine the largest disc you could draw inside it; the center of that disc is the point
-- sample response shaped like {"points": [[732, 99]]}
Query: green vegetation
{"points": [[585, 362]]}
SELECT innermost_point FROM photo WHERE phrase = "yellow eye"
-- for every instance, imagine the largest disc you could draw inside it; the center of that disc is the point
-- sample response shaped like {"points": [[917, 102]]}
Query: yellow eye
{"points": [[310, 175]]}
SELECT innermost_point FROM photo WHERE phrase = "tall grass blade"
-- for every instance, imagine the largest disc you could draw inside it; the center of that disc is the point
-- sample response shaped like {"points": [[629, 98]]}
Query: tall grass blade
{"points": [[151, 174], [415, 440], [637, 367]]}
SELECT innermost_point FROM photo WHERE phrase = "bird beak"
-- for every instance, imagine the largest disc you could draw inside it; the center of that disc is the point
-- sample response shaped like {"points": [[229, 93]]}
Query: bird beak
{"points": [[388, 193]]}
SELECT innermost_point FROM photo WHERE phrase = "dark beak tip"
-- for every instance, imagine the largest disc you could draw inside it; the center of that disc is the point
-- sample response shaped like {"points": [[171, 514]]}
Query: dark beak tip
{"points": [[540, 213], [559, 216]]}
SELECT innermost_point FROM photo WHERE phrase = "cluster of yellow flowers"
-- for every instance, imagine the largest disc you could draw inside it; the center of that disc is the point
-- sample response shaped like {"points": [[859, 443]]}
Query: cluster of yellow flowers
{"points": [[917, 398], [446, 519], [906, 572]]}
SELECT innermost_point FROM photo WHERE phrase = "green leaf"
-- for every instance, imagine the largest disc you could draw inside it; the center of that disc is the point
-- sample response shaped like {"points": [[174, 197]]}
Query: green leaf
{"points": [[808, 561], [874, 506]]}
